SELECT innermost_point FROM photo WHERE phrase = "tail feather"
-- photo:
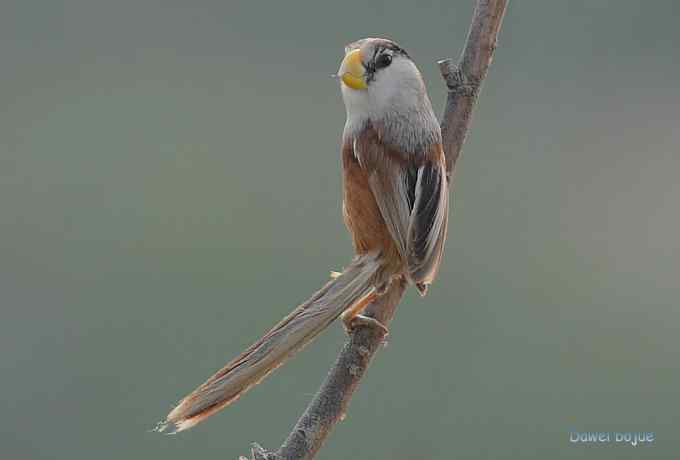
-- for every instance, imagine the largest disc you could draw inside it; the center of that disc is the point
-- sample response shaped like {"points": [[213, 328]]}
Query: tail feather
{"points": [[282, 341]]}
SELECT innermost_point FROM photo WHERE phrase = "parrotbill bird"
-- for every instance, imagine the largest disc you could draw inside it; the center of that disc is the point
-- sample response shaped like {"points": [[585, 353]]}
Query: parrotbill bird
{"points": [[395, 207]]}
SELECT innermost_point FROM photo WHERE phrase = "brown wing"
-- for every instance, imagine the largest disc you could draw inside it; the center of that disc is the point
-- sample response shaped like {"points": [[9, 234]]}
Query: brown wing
{"points": [[411, 193], [386, 178]]}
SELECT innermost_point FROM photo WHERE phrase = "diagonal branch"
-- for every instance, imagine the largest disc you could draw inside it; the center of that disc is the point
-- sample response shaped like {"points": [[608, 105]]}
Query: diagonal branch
{"points": [[328, 406], [464, 80]]}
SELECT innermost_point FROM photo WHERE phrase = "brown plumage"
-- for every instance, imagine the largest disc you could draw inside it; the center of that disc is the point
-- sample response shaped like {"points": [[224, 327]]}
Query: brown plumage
{"points": [[395, 207], [388, 210]]}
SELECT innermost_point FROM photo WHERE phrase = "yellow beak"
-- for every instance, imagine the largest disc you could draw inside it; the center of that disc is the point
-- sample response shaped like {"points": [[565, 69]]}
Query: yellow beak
{"points": [[352, 71]]}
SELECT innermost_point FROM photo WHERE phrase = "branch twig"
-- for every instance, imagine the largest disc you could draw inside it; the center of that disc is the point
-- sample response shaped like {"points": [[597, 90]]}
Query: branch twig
{"points": [[330, 403]]}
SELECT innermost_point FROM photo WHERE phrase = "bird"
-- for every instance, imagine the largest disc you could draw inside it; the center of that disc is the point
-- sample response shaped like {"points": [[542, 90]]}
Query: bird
{"points": [[395, 206]]}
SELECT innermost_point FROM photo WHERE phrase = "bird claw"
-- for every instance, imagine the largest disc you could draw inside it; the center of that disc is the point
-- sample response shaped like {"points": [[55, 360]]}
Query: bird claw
{"points": [[363, 321]]}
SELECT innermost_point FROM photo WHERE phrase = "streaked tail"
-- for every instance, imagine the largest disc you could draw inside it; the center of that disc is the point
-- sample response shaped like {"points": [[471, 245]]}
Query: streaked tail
{"points": [[297, 329]]}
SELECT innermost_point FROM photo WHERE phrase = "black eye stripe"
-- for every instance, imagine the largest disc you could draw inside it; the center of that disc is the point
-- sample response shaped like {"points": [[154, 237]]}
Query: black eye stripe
{"points": [[377, 50], [383, 61], [384, 52]]}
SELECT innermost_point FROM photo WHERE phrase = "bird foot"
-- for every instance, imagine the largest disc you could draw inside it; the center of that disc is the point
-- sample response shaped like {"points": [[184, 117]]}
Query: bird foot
{"points": [[359, 320]]}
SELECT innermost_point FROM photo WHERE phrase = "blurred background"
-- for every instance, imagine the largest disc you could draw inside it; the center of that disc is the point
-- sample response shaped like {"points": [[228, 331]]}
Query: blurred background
{"points": [[170, 188]]}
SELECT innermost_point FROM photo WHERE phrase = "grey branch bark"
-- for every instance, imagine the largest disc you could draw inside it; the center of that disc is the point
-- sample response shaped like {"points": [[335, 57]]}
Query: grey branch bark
{"points": [[328, 406]]}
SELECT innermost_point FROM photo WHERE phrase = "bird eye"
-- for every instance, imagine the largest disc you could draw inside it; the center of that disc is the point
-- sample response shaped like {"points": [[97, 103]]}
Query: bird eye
{"points": [[383, 61]]}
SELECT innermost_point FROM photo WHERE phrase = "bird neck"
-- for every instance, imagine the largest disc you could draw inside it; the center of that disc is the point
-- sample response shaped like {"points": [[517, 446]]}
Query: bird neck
{"points": [[406, 122]]}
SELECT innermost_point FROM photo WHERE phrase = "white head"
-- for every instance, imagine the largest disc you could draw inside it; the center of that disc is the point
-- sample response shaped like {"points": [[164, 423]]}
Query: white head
{"points": [[380, 83]]}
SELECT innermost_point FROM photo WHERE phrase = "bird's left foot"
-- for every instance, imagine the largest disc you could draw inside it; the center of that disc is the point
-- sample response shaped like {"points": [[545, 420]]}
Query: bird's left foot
{"points": [[363, 321], [352, 317]]}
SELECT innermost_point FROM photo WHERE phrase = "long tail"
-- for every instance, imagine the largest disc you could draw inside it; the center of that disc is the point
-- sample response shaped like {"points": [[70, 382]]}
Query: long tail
{"points": [[355, 283]]}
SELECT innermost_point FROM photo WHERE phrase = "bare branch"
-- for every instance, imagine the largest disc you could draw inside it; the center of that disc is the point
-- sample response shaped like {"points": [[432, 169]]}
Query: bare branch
{"points": [[464, 80], [330, 403]]}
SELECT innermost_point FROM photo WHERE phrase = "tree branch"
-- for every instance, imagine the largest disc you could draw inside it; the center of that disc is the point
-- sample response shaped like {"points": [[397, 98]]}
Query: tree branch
{"points": [[330, 403], [464, 80]]}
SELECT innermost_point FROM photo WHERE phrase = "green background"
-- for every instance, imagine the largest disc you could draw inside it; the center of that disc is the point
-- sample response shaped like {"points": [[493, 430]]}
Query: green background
{"points": [[170, 188]]}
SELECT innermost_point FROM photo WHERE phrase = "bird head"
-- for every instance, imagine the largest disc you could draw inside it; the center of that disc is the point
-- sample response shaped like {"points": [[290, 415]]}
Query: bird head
{"points": [[377, 75]]}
